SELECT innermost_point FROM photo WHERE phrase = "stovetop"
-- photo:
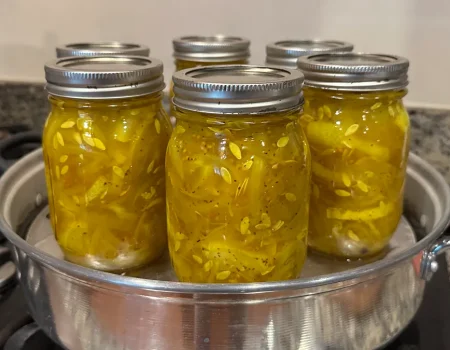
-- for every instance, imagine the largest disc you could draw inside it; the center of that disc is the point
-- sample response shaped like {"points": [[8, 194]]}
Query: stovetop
{"points": [[429, 330]]}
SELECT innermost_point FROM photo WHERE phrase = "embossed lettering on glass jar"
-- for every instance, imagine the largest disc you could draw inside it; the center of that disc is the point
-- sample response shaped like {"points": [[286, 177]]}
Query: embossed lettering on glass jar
{"points": [[104, 148], [286, 53], [238, 171], [358, 131], [102, 49]]}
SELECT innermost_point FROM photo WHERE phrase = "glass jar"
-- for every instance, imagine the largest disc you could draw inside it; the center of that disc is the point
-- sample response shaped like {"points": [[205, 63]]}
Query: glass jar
{"points": [[358, 131], [104, 148], [201, 51], [286, 53], [238, 172], [102, 49]]}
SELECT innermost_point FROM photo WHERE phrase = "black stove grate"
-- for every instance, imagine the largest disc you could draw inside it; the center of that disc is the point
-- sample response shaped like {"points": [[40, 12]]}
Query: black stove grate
{"points": [[30, 337]]}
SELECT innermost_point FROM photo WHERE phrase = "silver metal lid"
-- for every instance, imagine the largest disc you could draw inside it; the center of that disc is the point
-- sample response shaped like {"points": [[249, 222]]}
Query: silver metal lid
{"points": [[217, 48], [102, 49], [238, 89], [355, 71], [286, 53], [104, 77]]}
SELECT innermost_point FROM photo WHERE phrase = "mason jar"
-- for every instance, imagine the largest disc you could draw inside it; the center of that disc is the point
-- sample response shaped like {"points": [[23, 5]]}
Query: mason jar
{"points": [[358, 131], [104, 147], [195, 51], [238, 172], [285, 53], [102, 49], [199, 51]]}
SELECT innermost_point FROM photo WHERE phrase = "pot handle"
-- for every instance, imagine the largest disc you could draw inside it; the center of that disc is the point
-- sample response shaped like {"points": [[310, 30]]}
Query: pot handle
{"points": [[429, 264]]}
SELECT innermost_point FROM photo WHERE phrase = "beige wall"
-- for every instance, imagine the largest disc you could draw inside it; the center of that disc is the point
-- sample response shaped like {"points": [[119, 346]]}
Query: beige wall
{"points": [[417, 29]]}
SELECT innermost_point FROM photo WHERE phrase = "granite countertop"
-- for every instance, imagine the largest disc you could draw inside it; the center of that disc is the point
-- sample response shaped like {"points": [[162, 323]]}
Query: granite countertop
{"points": [[430, 137], [22, 103]]}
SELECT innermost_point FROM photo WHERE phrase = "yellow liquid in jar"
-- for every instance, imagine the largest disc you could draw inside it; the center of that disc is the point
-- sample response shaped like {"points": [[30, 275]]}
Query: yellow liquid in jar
{"points": [[237, 197], [359, 146], [105, 177]]}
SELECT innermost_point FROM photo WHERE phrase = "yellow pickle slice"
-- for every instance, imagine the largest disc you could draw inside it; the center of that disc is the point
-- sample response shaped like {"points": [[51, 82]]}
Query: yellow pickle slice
{"points": [[238, 198], [107, 205], [359, 152]]}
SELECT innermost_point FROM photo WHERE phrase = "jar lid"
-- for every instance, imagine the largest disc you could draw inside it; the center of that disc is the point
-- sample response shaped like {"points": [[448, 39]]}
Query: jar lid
{"points": [[217, 48], [355, 71], [238, 89], [102, 49], [286, 53], [104, 77]]}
